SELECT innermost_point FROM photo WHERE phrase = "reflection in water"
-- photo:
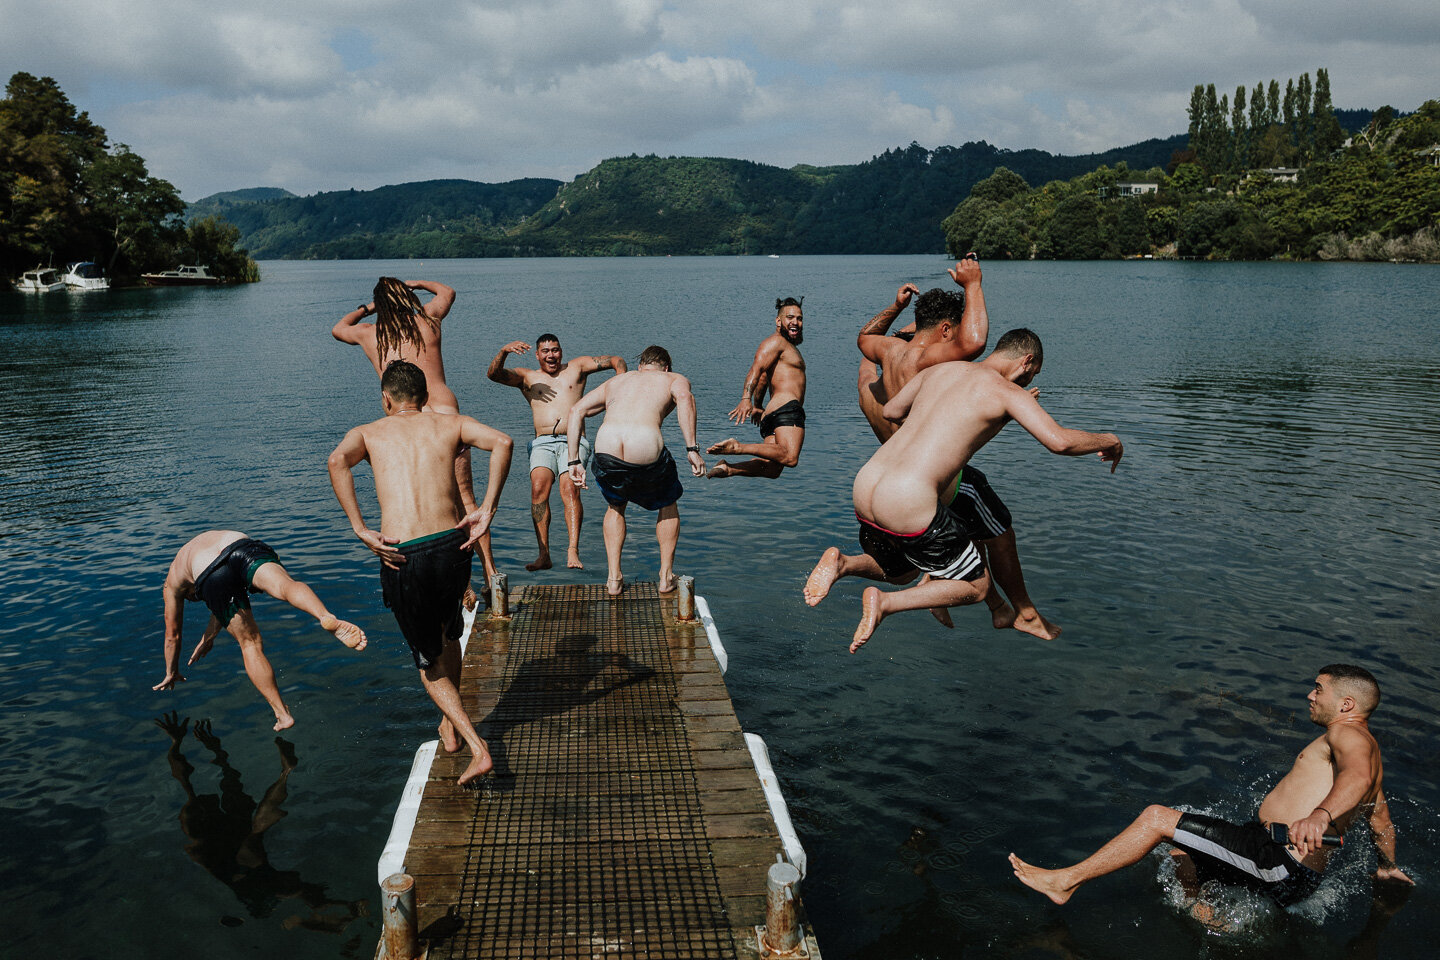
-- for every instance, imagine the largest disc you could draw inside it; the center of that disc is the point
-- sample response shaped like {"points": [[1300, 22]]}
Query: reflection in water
{"points": [[227, 835]]}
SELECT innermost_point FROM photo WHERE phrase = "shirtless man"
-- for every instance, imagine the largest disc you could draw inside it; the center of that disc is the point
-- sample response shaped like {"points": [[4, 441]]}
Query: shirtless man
{"points": [[218, 568], [398, 333], [422, 542], [950, 326], [552, 390], [949, 411], [631, 462], [779, 369], [1335, 781]]}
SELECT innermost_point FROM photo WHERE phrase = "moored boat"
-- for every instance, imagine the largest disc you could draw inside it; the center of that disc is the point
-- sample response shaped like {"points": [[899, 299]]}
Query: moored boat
{"points": [[182, 276], [85, 276], [40, 280]]}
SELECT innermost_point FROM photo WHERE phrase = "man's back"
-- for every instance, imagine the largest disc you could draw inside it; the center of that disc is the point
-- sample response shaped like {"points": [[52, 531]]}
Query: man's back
{"points": [[413, 457], [635, 404], [957, 408]]}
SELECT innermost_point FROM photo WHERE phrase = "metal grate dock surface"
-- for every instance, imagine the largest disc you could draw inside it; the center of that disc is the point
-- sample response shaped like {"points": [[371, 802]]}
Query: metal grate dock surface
{"points": [[623, 817]]}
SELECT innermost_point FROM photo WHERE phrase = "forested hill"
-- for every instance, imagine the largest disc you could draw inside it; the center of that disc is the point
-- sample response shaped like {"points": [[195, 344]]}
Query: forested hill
{"points": [[893, 203]]}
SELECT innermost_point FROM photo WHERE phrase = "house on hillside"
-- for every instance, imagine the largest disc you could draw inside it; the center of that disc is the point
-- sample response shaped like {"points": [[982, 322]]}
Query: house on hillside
{"points": [[1128, 189], [1277, 174], [1430, 154]]}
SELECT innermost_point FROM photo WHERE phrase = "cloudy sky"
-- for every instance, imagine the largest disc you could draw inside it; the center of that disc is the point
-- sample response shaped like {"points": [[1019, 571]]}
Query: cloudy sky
{"points": [[315, 95]]}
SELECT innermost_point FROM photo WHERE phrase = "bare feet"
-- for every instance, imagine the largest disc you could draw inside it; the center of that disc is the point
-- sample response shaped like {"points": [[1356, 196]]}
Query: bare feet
{"points": [[724, 446], [283, 721], [942, 614], [540, 563], [614, 585], [720, 470], [667, 584], [345, 631], [1002, 616], [1035, 625], [870, 617], [448, 740], [1047, 882], [822, 578], [572, 559], [479, 766], [469, 600]]}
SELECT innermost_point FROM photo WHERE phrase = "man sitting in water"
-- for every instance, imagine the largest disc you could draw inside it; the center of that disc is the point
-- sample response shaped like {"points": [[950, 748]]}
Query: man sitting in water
{"points": [[425, 558], [631, 462], [406, 329], [220, 568], [779, 369], [1335, 780], [949, 412], [552, 390]]}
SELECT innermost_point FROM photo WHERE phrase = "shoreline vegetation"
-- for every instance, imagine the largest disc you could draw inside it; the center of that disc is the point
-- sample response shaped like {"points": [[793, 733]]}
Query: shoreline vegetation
{"points": [[68, 194]]}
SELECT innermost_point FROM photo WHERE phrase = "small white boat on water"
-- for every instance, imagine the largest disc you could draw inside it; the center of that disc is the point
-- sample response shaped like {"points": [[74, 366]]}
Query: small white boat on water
{"points": [[181, 276], [40, 280], [85, 276]]}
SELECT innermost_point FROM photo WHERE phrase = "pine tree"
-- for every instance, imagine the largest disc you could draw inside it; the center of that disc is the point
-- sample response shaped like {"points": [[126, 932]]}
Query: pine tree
{"points": [[1328, 135], [1240, 131], [1304, 125], [1272, 106]]}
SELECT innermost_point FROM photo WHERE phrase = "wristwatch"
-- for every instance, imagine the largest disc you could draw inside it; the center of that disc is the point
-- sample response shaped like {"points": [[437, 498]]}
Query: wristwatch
{"points": [[364, 309], [694, 449]]}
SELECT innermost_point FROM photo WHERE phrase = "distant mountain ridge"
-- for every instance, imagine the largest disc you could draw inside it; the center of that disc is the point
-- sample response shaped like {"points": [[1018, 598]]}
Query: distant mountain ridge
{"points": [[892, 203]]}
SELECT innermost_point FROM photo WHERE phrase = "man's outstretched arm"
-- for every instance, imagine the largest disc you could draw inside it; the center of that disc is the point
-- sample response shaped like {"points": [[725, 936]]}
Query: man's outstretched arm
{"points": [[1022, 406], [975, 321], [477, 435], [174, 624], [871, 339], [347, 330], [499, 373], [341, 465], [1382, 829]]}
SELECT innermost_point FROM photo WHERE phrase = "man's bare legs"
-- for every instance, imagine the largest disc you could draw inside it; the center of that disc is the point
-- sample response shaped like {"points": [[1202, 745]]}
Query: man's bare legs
{"points": [[1003, 559], [272, 578], [1153, 826], [614, 528], [780, 449], [541, 480], [441, 682], [667, 535], [574, 518], [931, 592], [243, 628], [832, 566]]}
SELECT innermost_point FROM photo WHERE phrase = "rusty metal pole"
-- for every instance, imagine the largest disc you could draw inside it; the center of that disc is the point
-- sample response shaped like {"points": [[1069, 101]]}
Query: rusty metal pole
{"points": [[685, 598], [401, 940], [500, 597], [782, 929]]}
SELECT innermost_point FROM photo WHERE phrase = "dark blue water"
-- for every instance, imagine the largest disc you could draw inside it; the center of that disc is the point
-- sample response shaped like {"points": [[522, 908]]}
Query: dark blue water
{"points": [[1278, 508]]}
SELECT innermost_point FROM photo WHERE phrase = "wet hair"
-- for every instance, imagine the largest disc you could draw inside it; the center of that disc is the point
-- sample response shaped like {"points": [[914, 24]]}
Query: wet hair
{"points": [[546, 338], [396, 307], [1356, 682], [404, 381], [1020, 341], [782, 302], [654, 354], [936, 305]]}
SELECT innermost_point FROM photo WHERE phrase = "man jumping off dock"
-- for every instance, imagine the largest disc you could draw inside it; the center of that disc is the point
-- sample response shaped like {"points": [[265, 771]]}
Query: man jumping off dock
{"points": [[1335, 780], [552, 391], [631, 462], [949, 412], [220, 568], [779, 370], [425, 534]]}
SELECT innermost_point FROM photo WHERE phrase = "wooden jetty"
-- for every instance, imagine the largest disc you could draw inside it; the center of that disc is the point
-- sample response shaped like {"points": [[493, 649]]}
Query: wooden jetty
{"points": [[625, 816]]}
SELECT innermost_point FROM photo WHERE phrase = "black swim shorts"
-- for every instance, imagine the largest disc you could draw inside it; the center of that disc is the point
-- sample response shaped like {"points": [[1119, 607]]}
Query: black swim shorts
{"points": [[790, 414], [941, 549], [1244, 855], [982, 515], [650, 486], [427, 592], [224, 584]]}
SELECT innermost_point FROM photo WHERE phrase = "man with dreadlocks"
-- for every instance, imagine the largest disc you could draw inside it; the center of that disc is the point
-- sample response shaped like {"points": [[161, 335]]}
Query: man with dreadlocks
{"points": [[778, 368], [398, 333]]}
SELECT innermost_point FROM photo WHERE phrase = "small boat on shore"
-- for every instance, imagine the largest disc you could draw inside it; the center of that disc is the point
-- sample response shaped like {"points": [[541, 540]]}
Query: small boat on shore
{"points": [[40, 280], [85, 276], [181, 276]]}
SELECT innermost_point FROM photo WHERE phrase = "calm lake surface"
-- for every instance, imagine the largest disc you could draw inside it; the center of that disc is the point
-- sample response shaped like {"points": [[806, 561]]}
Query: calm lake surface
{"points": [[1278, 508]]}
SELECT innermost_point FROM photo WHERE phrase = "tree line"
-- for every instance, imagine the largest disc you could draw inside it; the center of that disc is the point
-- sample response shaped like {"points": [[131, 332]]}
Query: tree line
{"points": [[67, 194]]}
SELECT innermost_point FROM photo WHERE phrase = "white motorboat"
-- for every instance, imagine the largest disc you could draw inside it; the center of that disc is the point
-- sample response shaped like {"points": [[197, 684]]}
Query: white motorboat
{"points": [[40, 280], [181, 276], [85, 276]]}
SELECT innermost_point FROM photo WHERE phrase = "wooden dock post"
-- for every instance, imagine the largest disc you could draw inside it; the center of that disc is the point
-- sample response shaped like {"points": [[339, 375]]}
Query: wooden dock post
{"points": [[401, 940]]}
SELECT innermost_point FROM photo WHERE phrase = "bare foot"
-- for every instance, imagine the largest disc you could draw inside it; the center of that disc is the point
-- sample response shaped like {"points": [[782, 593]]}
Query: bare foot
{"points": [[870, 617], [822, 578], [469, 600], [572, 559], [724, 446], [942, 614], [479, 766], [1042, 881], [1035, 625], [1002, 616], [345, 631], [540, 563], [614, 585], [283, 722], [720, 470], [671, 580], [448, 740]]}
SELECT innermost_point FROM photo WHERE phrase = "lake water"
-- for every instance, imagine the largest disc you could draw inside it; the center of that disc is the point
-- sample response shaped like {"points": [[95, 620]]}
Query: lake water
{"points": [[1278, 508]]}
